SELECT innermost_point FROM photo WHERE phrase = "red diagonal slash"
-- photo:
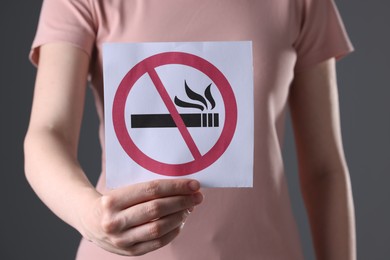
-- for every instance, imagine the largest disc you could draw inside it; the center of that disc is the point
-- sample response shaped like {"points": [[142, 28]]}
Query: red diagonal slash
{"points": [[175, 114]]}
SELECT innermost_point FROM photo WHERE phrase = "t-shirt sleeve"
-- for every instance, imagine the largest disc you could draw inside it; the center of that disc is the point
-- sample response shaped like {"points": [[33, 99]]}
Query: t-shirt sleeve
{"points": [[322, 34], [67, 21]]}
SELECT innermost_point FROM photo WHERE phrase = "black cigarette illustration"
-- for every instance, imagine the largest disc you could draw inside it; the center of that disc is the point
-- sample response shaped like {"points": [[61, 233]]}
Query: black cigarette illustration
{"points": [[166, 120], [189, 119]]}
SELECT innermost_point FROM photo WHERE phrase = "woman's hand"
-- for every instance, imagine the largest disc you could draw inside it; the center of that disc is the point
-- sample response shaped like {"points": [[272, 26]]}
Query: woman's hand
{"points": [[140, 218]]}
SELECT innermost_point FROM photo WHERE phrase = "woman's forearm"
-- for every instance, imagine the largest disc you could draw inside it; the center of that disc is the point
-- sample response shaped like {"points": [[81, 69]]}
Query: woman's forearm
{"points": [[55, 175], [328, 200]]}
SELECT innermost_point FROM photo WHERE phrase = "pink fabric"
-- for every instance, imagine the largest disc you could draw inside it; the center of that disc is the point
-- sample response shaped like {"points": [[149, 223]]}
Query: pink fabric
{"points": [[287, 35]]}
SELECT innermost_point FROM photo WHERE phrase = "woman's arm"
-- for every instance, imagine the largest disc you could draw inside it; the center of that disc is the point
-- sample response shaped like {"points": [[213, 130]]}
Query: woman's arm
{"points": [[324, 176], [122, 221]]}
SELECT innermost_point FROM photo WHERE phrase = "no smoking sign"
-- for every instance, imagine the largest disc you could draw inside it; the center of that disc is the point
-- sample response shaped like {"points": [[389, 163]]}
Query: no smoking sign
{"points": [[179, 110]]}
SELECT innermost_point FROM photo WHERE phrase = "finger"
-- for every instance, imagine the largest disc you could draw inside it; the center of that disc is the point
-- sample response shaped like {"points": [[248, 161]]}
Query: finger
{"points": [[146, 247], [149, 231], [143, 239], [131, 195], [158, 208]]}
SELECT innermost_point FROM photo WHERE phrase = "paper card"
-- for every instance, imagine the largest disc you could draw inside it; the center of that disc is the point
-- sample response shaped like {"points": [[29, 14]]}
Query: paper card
{"points": [[179, 110]]}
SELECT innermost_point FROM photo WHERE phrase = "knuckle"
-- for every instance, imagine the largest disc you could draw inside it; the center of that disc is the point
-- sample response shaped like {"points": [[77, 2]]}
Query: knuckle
{"points": [[177, 186], [155, 230], [180, 187], [109, 224], [119, 242], [152, 188], [107, 202], [153, 210]]}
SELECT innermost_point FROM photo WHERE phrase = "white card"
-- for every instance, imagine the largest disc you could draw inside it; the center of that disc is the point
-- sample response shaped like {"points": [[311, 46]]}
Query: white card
{"points": [[179, 110]]}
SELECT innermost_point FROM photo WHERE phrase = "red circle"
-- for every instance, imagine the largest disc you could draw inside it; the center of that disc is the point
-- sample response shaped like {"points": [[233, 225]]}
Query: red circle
{"points": [[118, 113]]}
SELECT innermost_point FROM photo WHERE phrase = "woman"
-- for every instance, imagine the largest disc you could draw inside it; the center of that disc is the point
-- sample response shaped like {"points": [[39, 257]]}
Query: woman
{"points": [[295, 44]]}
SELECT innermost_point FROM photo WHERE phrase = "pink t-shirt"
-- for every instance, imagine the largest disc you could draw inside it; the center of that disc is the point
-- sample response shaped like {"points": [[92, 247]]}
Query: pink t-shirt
{"points": [[288, 36]]}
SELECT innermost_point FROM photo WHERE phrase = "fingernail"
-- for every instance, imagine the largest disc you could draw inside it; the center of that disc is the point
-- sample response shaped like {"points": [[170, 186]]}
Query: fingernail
{"points": [[190, 209], [197, 198], [182, 225], [194, 185]]}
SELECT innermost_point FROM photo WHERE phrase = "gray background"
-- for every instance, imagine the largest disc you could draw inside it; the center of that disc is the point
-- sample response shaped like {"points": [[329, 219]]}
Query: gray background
{"points": [[28, 230]]}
